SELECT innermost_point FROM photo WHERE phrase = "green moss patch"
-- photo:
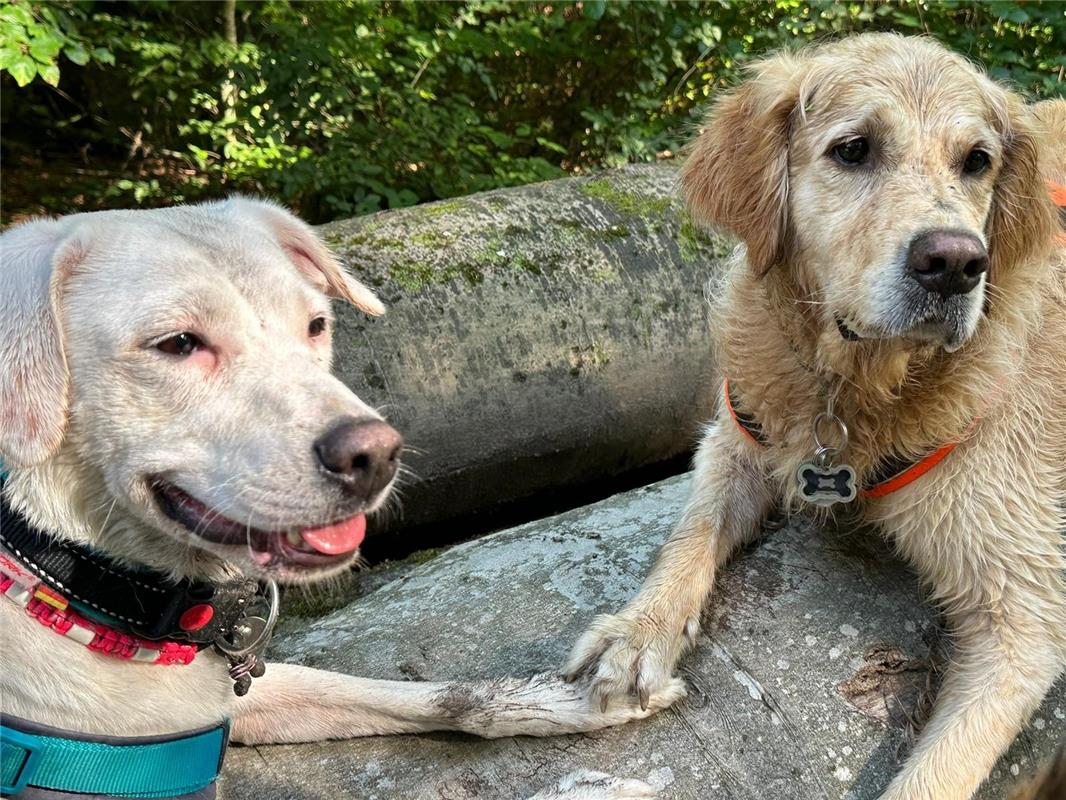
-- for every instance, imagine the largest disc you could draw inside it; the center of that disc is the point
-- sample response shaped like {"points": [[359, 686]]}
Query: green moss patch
{"points": [[631, 203]]}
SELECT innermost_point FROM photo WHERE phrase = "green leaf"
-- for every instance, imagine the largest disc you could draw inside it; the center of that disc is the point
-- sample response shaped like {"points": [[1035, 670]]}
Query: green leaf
{"points": [[8, 56], [45, 48], [16, 13], [77, 53], [50, 74], [103, 55], [23, 70]]}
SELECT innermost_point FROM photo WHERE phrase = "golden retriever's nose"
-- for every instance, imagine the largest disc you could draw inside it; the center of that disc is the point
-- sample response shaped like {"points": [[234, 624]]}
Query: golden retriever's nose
{"points": [[947, 262], [360, 455]]}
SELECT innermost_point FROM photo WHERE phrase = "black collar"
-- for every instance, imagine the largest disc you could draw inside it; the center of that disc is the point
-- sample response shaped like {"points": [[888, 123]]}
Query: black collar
{"points": [[143, 601]]}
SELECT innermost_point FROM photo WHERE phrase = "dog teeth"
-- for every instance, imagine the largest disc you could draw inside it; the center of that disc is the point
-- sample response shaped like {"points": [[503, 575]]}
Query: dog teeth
{"points": [[294, 538]]}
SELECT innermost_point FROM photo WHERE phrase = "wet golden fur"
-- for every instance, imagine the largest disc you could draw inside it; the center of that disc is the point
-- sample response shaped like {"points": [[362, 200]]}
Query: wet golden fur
{"points": [[983, 528]]}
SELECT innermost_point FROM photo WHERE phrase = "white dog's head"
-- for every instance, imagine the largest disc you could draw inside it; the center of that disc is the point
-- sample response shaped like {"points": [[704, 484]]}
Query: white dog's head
{"points": [[178, 361]]}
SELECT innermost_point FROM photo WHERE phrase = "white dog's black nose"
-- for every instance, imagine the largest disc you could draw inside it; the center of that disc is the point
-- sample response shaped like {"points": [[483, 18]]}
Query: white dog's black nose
{"points": [[947, 262], [361, 455]]}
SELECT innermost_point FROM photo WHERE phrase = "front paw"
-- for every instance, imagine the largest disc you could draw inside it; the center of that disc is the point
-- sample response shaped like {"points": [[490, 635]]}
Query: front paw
{"points": [[630, 655], [586, 785]]}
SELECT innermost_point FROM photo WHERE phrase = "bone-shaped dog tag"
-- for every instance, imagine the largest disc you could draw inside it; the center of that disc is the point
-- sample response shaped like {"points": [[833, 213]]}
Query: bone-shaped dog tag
{"points": [[826, 486]]}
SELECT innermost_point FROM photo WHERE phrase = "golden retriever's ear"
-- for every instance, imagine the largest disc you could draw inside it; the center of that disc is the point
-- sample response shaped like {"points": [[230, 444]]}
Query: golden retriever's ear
{"points": [[736, 174], [1022, 223], [35, 259], [1050, 116], [309, 254]]}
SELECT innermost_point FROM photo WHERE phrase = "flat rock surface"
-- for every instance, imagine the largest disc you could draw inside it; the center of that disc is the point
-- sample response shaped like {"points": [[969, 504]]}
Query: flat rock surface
{"points": [[816, 652]]}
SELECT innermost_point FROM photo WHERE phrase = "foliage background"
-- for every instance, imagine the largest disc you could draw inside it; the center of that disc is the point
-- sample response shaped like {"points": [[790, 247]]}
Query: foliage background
{"points": [[343, 108]]}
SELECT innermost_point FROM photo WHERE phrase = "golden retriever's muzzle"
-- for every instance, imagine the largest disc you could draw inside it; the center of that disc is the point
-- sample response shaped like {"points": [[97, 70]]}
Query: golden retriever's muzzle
{"points": [[935, 294]]}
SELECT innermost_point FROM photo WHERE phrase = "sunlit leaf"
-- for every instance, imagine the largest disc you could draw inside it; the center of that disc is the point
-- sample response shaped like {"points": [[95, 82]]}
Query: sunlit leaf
{"points": [[23, 70], [8, 56], [49, 73]]}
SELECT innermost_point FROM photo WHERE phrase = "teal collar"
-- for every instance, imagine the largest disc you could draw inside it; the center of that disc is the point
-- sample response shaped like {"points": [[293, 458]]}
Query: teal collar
{"points": [[180, 765]]}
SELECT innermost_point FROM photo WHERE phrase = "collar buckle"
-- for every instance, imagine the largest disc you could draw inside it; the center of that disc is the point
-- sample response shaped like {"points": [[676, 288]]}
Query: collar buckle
{"points": [[201, 612], [13, 742]]}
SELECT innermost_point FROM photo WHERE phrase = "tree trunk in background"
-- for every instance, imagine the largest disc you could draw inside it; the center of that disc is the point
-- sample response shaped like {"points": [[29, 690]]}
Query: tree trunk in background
{"points": [[229, 87], [536, 339], [229, 19]]}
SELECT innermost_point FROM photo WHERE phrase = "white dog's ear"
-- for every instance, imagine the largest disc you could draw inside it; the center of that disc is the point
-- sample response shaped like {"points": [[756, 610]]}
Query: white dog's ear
{"points": [[35, 259], [736, 173], [310, 255]]}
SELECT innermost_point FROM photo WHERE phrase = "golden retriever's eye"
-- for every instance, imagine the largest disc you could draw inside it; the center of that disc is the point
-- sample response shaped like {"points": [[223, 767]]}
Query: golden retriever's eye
{"points": [[316, 327], [976, 162], [853, 152], [180, 344]]}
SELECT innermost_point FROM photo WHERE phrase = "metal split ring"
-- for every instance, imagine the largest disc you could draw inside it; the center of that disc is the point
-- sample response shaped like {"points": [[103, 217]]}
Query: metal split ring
{"points": [[841, 442], [825, 457], [235, 644], [242, 667]]}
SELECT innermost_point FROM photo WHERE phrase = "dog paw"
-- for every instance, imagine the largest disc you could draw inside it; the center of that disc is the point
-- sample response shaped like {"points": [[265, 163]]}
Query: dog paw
{"points": [[586, 785], [629, 656]]}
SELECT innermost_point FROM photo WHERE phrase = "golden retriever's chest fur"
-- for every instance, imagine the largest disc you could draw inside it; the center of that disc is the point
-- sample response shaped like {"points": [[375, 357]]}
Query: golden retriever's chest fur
{"points": [[895, 401]]}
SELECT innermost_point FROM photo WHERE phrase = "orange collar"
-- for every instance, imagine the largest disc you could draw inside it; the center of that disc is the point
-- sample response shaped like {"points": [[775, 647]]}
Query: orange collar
{"points": [[891, 475], [1058, 196]]}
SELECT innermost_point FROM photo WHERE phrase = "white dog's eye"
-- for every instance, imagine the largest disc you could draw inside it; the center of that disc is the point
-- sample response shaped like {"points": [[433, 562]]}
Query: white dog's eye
{"points": [[852, 152], [316, 327], [180, 344], [976, 162]]}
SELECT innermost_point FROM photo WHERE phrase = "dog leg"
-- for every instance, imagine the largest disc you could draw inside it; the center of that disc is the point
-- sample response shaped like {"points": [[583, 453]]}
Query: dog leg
{"points": [[1004, 597], [635, 651], [291, 703]]}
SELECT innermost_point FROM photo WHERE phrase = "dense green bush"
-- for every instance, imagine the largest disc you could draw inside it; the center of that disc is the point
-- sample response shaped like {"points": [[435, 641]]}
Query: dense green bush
{"points": [[341, 108]]}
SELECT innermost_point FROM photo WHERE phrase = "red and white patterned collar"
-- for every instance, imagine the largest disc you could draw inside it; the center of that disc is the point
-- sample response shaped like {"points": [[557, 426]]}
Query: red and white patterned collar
{"points": [[54, 611]]}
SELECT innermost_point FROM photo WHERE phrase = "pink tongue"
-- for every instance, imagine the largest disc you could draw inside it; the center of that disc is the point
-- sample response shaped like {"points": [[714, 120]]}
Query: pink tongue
{"points": [[332, 540]]}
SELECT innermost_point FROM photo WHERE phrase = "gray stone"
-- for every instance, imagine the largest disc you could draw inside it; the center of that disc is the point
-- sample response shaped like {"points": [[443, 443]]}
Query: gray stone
{"points": [[536, 337], [816, 649]]}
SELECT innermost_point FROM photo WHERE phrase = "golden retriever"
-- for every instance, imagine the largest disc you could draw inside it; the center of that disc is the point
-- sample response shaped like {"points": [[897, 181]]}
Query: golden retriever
{"points": [[899, 287]]}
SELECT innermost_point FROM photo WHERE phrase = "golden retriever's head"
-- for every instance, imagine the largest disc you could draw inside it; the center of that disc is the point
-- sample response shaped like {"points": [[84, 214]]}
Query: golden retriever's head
{"points": [[893, 179]]}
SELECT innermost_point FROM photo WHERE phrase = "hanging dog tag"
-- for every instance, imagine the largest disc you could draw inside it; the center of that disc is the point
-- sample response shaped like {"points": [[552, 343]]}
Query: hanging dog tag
{"points": [[245, 644], [242, 672], [821, 481], [826, 486]]}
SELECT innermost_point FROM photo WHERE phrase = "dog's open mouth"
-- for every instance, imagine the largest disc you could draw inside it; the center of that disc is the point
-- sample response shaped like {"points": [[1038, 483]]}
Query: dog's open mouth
{"points": [[321, 546]]}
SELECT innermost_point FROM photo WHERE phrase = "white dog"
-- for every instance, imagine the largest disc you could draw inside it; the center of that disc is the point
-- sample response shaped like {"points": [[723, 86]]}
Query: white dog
{"points": [[173, 442]]}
